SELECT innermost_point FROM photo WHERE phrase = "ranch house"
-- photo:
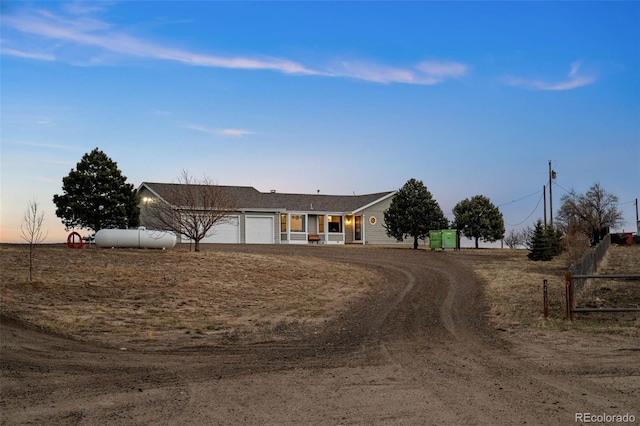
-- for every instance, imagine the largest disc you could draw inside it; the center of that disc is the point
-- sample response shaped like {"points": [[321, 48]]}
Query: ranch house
{"points": [[280, 218]]}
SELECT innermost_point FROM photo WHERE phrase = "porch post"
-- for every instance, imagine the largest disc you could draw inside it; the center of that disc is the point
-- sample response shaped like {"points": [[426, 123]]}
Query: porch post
{"points": [[325, 226], [288, 229], [364, 225]]}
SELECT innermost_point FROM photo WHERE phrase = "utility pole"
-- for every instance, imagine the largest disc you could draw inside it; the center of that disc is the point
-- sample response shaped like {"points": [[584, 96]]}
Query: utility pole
{"points": [[637, 220], [544, 196], [552, 175]]}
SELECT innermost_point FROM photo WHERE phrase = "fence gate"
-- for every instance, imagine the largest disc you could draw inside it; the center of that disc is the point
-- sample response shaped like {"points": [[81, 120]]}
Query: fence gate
{"points": [[571, 308]]}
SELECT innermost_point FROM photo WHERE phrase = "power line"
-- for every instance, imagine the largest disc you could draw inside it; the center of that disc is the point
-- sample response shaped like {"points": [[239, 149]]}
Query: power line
{"points": [[559, 186], [510, 202], [515, 201], [520, 199], [530, 214]]}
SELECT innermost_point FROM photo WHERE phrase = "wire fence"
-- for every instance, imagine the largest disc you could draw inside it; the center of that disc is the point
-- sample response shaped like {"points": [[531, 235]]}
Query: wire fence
{"points": [[588, 264]]}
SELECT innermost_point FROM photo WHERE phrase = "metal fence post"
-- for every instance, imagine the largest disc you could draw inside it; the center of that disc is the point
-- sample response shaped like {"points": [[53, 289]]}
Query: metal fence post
{"points": [[568, 279], [545, 299]]}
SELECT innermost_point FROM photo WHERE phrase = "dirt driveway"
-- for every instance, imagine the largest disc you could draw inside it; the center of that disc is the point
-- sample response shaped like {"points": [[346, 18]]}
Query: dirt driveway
{"points": [[420, 353]]}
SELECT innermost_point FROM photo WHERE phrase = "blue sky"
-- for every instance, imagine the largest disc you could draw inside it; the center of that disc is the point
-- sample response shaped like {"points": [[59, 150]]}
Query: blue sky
{"points": [[342, 97]]}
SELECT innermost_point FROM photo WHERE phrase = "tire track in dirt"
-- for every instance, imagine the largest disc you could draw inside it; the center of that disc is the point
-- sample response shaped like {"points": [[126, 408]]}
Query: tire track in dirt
{"points": [[418, 352]]}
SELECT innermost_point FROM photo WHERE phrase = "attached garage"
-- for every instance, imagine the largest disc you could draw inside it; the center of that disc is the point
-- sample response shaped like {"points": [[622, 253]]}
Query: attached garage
{"points": [[227, 232], [259, 230]]}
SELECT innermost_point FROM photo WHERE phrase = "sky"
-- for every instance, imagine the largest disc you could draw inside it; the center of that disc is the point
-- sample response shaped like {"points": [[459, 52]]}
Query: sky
{"points": [[471, 98]]}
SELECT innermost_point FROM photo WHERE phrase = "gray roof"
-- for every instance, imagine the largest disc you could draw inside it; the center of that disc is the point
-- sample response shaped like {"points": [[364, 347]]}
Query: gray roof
{"points": [[249, 198]]}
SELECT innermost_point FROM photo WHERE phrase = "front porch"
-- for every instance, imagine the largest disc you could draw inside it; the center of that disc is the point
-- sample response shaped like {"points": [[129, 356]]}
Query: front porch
{"points": [[337, 228]]}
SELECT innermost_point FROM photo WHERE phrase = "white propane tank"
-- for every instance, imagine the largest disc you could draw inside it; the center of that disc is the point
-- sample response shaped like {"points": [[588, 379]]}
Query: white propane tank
{"points": [[135, 238]]}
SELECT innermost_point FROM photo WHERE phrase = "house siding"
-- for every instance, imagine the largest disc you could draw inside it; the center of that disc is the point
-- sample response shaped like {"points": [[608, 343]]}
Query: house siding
{"points": [[376, 234], [144, 193], [336, 238], [298, 237]]}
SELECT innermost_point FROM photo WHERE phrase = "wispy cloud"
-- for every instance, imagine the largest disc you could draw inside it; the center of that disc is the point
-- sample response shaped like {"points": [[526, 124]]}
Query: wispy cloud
{"points": [[45, 121], [235, 132], [86, 8], [80, 29], [444, 70], [223, 132], [28, 55], [95, 33], [573, 80], [424, 73]]}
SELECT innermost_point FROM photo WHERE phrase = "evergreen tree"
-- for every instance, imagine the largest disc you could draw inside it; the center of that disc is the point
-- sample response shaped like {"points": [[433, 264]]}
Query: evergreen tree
{"points": [[554, 237], [96, 196], [539, 245], [413, 213], [479, 218]]}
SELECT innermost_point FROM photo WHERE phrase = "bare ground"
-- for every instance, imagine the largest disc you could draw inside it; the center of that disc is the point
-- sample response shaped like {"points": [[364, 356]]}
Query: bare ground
{"points": [[417, 344]]}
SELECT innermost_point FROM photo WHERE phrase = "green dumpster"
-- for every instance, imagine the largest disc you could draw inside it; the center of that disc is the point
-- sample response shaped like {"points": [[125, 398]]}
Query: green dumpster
{"points": [[435, 239], [449, 238]]}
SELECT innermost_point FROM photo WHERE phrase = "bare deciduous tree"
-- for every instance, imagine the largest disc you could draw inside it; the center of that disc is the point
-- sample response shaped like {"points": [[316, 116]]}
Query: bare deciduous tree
{"points": [[31, 230], [526, 234], [514, 238], [190, 207], [591, 213], [576, 243]]}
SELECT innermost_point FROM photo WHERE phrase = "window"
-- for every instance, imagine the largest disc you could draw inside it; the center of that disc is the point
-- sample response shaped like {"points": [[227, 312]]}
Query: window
{"points": [[297, 223], [335, 223], [321, 224], [283, 223]]}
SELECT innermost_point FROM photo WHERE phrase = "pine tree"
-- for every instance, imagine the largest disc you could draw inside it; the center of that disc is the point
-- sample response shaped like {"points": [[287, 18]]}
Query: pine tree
{"points": [[539, 245], [413, 213], [96, 196], [554, 237]]}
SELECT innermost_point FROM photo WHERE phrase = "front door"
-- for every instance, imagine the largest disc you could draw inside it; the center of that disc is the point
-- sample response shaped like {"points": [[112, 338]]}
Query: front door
{"points": [[357, 228]]}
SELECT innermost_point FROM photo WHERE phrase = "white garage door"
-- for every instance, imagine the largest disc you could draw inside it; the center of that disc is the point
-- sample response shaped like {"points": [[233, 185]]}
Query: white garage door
{"points": [[259, 230], [227, 232]]}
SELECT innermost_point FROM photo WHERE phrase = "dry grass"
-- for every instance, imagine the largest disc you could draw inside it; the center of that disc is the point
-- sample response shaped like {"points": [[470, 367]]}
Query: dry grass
{"points": [[146, 294], [515, 290], [515, 283], [615, 293]]}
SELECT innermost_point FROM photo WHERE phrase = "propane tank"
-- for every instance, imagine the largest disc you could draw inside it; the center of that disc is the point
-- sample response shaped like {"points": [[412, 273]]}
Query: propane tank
{"points": [[135, 238]]}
